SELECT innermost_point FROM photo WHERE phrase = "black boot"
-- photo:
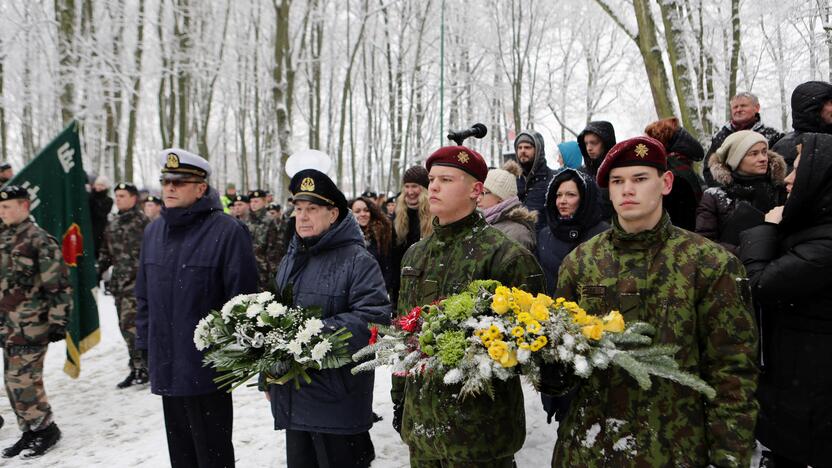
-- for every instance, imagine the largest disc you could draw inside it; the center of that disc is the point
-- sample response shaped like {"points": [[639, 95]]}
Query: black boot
{"points": [[18, 446], [141, 377], [2, 421], [42, 441], [128, 381]]}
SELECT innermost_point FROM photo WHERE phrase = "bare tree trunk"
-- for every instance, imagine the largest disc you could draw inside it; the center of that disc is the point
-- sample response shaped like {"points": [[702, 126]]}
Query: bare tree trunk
{"points": [[345, 92], [281, 90], [134, 97], [735, 55], [65, 19], [3, 131], [680, 65]]}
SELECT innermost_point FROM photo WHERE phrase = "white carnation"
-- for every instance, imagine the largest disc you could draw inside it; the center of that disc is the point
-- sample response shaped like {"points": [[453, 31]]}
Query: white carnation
{"points": [[254, 310], [523, 355], [582, 367], [264, 297], [276, 309], [310, 329], [453, 376], [568, 341], [564, 354], [320, 350], [202, 334]]}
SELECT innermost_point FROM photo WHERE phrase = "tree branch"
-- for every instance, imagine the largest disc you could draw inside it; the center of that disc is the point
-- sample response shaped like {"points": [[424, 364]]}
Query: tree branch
{"points": [[616, 19]]}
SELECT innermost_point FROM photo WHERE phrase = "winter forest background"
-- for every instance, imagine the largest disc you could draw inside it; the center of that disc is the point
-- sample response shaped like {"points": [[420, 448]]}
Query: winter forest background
{"points": [[377, 83]]}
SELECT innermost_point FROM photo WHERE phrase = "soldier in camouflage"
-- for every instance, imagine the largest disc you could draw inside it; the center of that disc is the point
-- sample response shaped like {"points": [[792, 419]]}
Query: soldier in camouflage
{"points": [[440, 429], [35, 301], [695, 293], [120, 249], [267, 237]]}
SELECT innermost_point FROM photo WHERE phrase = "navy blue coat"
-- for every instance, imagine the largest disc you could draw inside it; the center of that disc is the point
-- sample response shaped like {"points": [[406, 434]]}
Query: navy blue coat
{"points": [[531, 187], [560, 236], [192, 260], [338, 274]]}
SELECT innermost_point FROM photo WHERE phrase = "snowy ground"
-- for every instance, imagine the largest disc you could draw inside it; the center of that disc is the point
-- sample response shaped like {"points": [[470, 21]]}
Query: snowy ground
{"points": [[103, 426]]}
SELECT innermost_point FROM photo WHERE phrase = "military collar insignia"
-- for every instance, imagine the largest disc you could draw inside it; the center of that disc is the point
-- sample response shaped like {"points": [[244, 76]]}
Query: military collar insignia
{"points": [[463, 157], [307, 185], [173, 161], [641, 150]]}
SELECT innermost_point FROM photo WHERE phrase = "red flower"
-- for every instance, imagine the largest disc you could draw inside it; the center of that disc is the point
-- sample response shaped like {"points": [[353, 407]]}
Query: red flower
{"points": [[410, 322], [373, 335]]}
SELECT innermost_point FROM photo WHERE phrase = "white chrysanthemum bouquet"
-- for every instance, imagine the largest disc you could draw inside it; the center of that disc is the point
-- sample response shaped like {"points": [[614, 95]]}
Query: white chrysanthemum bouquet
{"points": [[256, 334]]}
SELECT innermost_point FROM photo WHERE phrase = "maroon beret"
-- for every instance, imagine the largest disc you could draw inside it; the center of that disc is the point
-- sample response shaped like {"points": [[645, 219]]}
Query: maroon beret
{"points": [[638, 151], [460, 157]]}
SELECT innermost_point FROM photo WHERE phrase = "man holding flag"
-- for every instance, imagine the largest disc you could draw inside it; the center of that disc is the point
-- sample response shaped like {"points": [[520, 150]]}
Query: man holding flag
{"points": [[34, 304]]}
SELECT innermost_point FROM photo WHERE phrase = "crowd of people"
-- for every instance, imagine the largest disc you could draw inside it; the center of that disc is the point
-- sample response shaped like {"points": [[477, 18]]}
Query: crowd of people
{"points": [[731, 265]]}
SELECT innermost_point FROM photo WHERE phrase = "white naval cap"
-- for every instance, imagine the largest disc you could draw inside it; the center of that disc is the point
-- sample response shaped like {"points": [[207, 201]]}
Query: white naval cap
{"points": [[177, 161]]}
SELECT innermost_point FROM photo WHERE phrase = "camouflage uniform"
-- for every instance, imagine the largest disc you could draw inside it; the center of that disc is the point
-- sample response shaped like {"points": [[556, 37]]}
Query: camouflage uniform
{"points": [[440, 429], [694, 293], [120, 249], [267, 239], [35, 301]]}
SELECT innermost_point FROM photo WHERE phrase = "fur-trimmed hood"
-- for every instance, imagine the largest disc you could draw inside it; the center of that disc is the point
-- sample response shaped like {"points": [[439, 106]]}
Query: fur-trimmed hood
{"points": [[519, 214], [723, 174]]}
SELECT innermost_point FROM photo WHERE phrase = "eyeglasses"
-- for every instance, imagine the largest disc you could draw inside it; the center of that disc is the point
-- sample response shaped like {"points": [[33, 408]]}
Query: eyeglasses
{"points": [[177, 182], [486, 192]]}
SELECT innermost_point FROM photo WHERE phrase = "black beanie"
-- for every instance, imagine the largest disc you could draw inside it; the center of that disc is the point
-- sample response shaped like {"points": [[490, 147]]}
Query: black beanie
{"points": [[416, 175]]}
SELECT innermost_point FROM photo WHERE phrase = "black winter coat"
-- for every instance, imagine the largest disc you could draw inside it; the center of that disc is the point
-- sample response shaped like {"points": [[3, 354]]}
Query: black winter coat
{"points": [[606, 132], [790, 270], [193, 260], [772, 135], [807, 100], [100, 206], [561, 236], [682, 151], [531, 187], [414, 233], [739, 202], [339, 275]]}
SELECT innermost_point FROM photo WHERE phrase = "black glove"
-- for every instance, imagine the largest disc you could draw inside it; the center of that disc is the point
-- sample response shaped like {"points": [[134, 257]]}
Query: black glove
{"points": [[56, 334], [398, 410], [548, 406]]}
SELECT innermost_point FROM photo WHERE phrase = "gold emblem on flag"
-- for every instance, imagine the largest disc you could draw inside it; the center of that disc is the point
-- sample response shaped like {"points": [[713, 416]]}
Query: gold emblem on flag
{"points": [[307, 185], [641, 150], [173, 161], [463, 157]]}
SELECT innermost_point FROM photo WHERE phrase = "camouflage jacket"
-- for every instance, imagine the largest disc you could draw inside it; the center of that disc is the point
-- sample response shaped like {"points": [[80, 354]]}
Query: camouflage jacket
{"points": [[695, 293], [35, 295], [269, 248], [435, 423], [120, 249]]}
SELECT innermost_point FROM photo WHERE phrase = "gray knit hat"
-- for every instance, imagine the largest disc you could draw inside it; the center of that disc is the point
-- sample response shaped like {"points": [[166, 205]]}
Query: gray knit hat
{"points": [[734, 147]]}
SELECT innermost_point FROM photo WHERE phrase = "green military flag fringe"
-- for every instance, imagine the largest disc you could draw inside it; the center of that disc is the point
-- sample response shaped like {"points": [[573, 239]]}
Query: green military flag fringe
{"points": [[56, 182]]}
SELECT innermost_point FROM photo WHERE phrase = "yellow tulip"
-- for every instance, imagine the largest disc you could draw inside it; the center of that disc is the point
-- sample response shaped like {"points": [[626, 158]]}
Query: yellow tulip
{"points": [[500, 304], [509, 359], [593, 332], [539, 311], [544, 299], [522, 298], [614, 322]]}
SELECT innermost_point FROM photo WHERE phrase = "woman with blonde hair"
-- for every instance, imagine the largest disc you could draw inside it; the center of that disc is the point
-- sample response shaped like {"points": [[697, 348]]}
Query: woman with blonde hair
{"points": [[411, 222]]}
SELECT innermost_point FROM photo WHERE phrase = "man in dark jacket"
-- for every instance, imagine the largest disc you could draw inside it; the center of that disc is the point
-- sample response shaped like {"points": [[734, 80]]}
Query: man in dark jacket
{"points": [[532, 184], [193, 259], [595, 141], [811, 113], [100, 206], [327, 421], [745, 115]]}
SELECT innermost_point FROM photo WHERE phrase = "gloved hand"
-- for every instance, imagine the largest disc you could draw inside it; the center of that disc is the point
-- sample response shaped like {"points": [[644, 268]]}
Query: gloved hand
{"points": [[548, 406], [56, 334], [398, 410]]}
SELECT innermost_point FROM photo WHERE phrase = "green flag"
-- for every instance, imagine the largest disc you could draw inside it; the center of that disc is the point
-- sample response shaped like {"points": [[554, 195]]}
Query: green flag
{"points": [[55, 180]]}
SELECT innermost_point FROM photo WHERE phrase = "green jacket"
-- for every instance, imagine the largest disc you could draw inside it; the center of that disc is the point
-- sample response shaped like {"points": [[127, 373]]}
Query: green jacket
{"points": [[120, 248], [436, 424], [35, 295], [269, 248], [695, 293]]}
